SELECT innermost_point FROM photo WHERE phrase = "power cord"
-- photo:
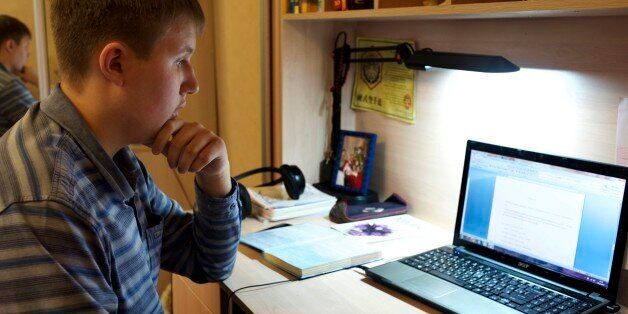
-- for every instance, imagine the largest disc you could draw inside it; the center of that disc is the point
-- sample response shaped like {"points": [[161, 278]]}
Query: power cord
{"points": [[255, 286], [285, 281]]}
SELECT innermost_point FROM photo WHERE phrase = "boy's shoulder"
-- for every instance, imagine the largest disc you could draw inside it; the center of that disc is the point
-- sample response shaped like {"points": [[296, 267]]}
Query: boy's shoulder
{"points": [[40, 161], [7, 79]]}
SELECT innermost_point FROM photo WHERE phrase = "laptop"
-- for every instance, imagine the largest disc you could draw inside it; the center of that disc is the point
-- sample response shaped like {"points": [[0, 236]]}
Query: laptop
{"points": [[535, 233]]}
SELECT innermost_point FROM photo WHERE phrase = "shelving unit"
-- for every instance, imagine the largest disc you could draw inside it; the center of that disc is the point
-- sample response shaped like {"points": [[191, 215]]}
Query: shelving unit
{"points": [[459, 9], [579, 46]]}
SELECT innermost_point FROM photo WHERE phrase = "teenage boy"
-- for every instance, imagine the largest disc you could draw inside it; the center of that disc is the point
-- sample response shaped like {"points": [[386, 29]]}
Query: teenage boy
{"points": [[15, 98], [83, 226]]}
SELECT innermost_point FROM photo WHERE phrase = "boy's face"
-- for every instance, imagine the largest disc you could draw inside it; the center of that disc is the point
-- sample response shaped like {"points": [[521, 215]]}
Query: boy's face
{"points": [[19, 54], [159, 85]]}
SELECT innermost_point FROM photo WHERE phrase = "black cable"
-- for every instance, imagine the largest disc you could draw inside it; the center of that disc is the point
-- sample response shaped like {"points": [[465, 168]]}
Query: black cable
{"points": [[254, 286], [255, 171], [285, 281]]}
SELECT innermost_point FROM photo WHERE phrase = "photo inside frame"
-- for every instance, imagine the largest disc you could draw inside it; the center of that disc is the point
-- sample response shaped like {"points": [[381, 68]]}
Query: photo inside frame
{"points": [[352, 164]]}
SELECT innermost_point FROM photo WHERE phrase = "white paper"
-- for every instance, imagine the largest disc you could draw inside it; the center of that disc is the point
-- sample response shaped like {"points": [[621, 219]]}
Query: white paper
{"points": [[622, 133], [382, 229]]}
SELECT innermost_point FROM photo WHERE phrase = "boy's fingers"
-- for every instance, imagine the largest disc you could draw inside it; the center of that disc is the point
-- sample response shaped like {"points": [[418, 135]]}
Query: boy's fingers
{"points": [[170, 128], [191, 150], [210, 152], [179, 141]]}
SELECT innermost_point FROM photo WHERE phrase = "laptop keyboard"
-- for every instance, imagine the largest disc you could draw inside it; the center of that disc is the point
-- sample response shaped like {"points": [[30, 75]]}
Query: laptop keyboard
{"points": [[495, 284]]}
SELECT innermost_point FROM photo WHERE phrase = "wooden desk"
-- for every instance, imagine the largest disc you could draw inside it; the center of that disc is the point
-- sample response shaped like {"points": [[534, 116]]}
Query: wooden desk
{"points": [[346, 291]]}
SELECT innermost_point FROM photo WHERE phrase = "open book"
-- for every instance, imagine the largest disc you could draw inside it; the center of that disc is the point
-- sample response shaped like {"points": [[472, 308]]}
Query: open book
{"points": [[273, 203], [308, 249]]}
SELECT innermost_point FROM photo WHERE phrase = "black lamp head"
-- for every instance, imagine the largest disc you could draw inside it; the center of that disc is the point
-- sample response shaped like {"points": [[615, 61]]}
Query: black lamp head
{"points": [[459, 61]]}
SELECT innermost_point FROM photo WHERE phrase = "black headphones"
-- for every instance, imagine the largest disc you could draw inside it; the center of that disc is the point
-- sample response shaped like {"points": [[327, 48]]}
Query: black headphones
{"points": [[291, 176]]}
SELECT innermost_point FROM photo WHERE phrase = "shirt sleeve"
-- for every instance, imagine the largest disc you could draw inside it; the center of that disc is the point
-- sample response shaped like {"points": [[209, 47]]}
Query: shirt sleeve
{"points": [[52, 260], [201, 245]]}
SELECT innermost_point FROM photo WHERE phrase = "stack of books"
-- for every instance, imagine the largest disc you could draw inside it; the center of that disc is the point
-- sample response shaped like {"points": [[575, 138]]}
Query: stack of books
{"points": [[308, 249], [272, 203]]}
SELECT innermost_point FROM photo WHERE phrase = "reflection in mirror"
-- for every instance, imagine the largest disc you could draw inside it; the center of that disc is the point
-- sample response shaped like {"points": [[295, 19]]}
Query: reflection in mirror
{"points": [[18, 71], [22, 10]]}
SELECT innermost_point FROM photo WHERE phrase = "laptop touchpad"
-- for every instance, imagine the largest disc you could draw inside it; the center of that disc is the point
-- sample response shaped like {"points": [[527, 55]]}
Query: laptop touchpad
{"points": [[431, 286]]}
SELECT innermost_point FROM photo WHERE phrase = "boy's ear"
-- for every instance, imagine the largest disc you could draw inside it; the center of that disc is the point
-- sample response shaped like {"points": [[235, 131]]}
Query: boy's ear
{"points": [[9, 45], [112, 61]]}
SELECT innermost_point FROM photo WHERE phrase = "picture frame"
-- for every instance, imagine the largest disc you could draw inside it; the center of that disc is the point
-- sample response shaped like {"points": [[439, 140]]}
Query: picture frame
{"points": [[353, 165]]}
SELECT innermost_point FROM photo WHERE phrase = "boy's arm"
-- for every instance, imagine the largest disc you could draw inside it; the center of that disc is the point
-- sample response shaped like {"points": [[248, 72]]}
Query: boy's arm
{"points": [[201, 245], [52, 259]]}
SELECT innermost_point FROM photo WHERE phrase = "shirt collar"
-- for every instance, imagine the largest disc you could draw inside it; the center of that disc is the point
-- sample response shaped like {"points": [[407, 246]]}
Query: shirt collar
{"points": [[60, 109]]}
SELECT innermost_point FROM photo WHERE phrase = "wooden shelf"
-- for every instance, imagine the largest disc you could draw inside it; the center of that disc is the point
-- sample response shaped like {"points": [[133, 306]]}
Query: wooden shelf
{"points": [[510, 9]]}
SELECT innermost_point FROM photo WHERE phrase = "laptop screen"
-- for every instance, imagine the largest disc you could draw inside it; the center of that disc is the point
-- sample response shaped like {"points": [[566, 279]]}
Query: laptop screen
{"points": [[561, 219]]}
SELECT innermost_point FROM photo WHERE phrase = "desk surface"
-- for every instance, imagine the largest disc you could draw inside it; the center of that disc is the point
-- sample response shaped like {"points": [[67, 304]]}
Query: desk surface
{"points": [[346, 291]]}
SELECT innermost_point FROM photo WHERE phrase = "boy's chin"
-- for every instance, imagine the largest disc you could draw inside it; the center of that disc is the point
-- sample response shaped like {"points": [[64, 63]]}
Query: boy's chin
{"points": [[148, 138]]}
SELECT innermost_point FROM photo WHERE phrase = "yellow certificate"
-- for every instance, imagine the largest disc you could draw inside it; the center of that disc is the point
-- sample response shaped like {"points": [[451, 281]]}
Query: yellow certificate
{"points": [[385, 87]]}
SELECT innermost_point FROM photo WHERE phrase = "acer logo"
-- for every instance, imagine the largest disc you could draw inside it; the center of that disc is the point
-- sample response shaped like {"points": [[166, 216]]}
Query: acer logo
{"points": [[523, 265]]}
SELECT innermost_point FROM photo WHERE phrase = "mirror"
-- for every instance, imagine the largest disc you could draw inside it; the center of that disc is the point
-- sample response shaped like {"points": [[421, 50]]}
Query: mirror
{"points": [[24, 11]]}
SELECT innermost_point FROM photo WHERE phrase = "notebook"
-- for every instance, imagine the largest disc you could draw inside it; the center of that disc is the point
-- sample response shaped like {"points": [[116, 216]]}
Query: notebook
{"points": [[534, 233], [308, 249]]}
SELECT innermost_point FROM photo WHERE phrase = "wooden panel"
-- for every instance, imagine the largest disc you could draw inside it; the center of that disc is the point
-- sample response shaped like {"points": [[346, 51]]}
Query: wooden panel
{"points": [[239, 35], [307, 77], [276, 85], [187, 298]]}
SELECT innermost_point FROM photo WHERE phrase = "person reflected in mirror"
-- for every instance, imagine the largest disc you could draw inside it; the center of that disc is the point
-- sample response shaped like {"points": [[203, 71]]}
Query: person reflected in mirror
{"points": [[15, 98], [84, 228]]}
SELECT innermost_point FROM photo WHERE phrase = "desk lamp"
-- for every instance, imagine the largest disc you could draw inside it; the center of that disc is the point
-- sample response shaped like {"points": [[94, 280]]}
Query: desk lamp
{"points": [[404, 54]]}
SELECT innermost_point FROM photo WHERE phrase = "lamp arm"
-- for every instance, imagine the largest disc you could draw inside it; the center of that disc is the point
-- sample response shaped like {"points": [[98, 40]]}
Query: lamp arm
{"points": [[374, 60], [342, 60], [373, 48]]}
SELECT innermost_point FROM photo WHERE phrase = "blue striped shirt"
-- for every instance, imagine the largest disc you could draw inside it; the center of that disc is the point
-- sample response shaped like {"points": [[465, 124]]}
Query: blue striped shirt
{"points": [[15, 99], [80, 231]]}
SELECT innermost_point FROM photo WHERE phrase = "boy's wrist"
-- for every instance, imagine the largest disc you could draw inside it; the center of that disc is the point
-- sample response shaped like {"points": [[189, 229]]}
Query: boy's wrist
{"points": [[215, 186]]}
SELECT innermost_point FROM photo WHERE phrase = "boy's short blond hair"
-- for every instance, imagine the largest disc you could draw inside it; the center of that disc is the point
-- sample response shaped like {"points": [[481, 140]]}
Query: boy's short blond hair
{"points": [[82, 27], [12, 28]]}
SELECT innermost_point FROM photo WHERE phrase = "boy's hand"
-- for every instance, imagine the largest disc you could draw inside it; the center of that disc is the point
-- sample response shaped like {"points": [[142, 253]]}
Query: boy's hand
{"points": [[28, 75], [190, 147]]}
